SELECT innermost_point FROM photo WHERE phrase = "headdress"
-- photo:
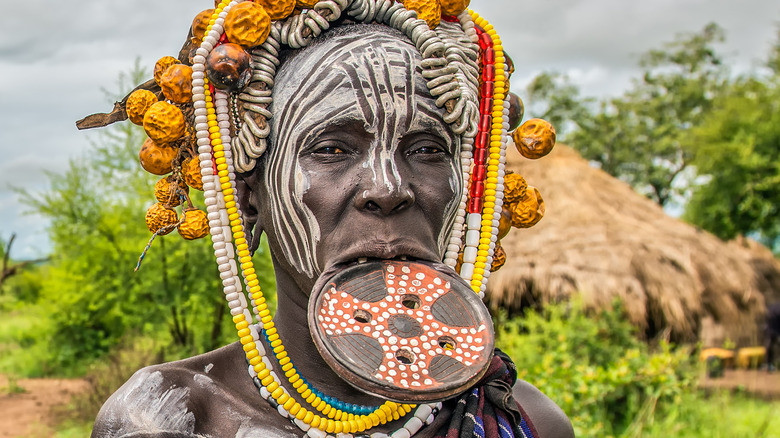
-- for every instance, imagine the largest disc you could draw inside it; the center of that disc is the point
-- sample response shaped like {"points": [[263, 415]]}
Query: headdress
{"points": [[207, 116]]}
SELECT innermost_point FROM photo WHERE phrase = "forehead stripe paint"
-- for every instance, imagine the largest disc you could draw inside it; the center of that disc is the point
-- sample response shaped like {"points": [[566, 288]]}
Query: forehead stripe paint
{"points": [[386, 100]]}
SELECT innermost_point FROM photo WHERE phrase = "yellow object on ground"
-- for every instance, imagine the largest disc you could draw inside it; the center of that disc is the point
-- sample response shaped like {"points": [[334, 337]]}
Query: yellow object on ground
{"points": [[750, 357]]}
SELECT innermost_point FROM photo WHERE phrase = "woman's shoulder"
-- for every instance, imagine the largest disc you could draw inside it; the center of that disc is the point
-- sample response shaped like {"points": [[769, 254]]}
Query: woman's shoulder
{"points": [[205, 395], [548, 418]]}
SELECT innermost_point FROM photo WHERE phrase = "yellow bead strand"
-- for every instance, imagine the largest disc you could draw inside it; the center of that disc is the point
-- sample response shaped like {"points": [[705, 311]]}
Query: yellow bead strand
{"points": [[488, 207], [337, 419]]}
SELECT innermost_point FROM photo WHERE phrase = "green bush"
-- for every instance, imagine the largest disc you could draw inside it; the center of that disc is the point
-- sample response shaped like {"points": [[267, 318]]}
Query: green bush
{"points": [[592, 365]]}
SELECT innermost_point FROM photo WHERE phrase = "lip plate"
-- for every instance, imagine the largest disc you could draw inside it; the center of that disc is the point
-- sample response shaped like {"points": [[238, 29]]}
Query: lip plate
{"points": [[357, 375]]}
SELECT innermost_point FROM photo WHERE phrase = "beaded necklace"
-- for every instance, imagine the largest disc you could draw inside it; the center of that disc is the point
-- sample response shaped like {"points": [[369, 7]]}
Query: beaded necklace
{"points": [[487, 178], [212, 124]]}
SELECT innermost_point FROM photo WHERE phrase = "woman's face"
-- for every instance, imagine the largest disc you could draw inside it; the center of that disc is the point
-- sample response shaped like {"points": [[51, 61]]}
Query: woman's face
{"points": [[362, 163]]}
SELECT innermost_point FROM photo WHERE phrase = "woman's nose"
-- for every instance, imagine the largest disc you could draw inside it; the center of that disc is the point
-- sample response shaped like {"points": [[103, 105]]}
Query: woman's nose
{"points": [[385, 197]]}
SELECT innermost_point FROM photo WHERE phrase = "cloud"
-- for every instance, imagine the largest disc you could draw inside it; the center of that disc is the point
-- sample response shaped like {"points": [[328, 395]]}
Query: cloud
{"points": [[566, 35], [57, 56]]}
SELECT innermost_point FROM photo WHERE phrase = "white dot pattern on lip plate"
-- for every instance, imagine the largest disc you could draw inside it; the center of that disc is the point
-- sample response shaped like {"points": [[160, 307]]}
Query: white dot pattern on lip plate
{"points": [[405, 360]]}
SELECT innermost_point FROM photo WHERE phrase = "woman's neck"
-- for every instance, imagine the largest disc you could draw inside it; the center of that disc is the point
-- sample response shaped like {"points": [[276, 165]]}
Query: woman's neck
{"points": [[291, 322]]}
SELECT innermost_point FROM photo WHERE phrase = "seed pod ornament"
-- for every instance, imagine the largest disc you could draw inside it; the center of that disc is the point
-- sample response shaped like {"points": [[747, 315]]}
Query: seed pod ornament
{"points": [[247, 24], [428, 10], [191, 172], [195, 224], [162, 65], [138, 103], [505, 223], [176, 83], [499, 258], [277, 9], [453, 7], [535, 138], [168, 192], [157, 159], [514, 188], [200, 24], [529, 210], [228, 67], [164, 123], [158, 217], [516, 110]]}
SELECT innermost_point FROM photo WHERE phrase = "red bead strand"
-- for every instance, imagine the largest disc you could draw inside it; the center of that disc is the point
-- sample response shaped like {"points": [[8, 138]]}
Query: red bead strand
{"points": [[481, 145]]}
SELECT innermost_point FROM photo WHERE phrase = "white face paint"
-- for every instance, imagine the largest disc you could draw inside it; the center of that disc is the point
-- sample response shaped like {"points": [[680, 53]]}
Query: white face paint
{"points": [[369, 85]]}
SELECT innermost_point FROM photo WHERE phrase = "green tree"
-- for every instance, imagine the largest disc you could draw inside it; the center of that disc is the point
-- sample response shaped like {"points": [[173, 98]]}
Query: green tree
{"points": [[554, 98], [774, 56], [92, 298], [642, 137], [738, 149]]}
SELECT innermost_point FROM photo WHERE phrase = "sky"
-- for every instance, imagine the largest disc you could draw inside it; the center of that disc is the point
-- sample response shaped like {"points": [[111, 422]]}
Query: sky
{"points": [[57, 57]]}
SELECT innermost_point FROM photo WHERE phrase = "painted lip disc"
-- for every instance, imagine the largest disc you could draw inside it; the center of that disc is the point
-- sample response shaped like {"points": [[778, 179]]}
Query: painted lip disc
{"points": [[402, 330]]}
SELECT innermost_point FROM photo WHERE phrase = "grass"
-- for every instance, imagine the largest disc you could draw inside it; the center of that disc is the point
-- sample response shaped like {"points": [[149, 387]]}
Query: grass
{"points": [[20, 354], [12, 387], [717, 415]]}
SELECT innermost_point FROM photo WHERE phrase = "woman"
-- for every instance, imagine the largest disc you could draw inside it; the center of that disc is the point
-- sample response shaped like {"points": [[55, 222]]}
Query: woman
{"points": [[355, 153]]}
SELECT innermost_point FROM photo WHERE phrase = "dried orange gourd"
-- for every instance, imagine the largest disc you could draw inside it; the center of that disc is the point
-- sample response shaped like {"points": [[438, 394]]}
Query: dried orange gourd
{"points": [[164, 123], [138, 103], [505, 223], [499, 258], [158, 217], [191, 172], [200, 24], [529, 210], [195, 224], [516, 110], [453, 7], [229, 67], [306, 4], [168, 192], [535, 138], [428, 10], [176, 83], [162, 65], [247, 24], [277, 9], [157, 159], [514, 187]]}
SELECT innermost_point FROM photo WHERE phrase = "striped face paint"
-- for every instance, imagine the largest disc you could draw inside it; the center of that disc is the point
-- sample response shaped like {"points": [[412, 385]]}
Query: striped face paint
{"points": [[359, 147]]}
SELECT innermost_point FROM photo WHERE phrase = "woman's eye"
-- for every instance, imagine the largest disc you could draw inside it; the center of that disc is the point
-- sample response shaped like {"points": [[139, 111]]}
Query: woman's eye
{"points": [[429, 149], [330, 150]]}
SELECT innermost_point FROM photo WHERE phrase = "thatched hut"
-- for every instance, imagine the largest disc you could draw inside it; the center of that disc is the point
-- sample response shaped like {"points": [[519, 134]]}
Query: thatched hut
{"points": [[601, 239]]}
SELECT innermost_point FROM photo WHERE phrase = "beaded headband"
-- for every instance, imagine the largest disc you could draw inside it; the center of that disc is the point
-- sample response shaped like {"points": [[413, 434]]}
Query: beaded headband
{"points": [[212, 123]]}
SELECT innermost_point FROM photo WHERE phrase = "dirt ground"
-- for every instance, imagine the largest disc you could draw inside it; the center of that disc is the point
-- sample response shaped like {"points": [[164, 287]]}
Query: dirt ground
{"points": [[757, 382], [28, 414]]}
